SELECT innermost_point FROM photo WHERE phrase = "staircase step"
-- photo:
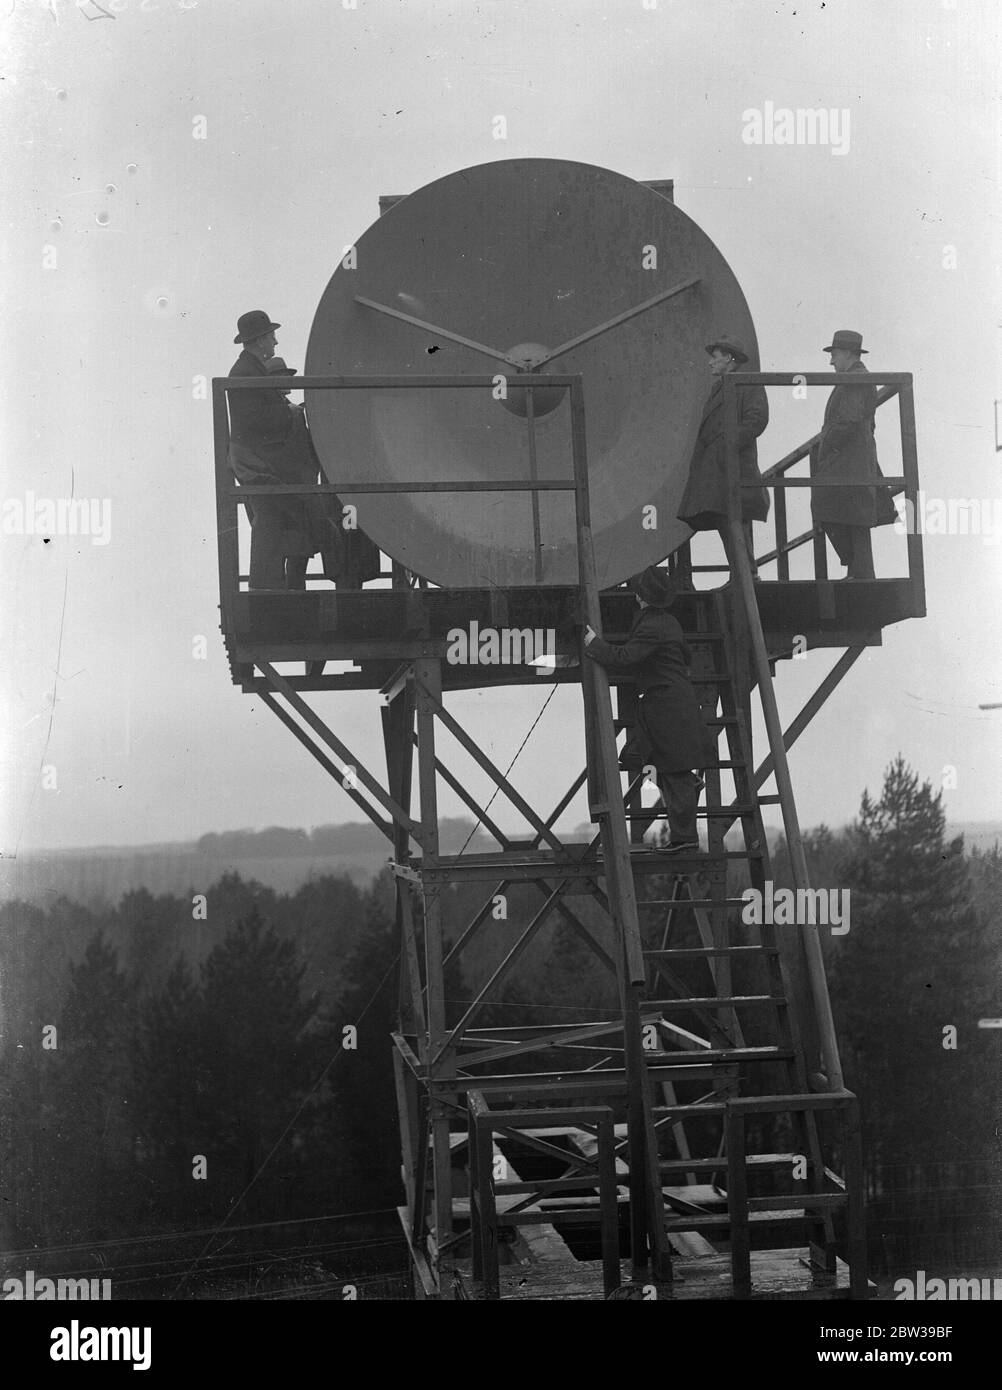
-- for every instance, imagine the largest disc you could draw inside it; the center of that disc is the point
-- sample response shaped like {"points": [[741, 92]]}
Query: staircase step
{"points": [[652, 860], [707, 903], [812, 1200], [715, 1222], [720, 1055], [717, 1001], [728, 813], [702, 952], [763, 1162], [689, 1112]]}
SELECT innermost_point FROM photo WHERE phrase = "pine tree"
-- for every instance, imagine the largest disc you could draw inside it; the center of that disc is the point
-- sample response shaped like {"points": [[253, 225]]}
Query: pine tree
{"points": [[913, 966], [361, 1078], [257, 1058], [87, 1129], [165, 1092]]}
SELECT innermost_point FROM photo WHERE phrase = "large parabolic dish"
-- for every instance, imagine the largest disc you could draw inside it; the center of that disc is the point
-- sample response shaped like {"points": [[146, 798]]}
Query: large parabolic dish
{"points": [[521, 257]]}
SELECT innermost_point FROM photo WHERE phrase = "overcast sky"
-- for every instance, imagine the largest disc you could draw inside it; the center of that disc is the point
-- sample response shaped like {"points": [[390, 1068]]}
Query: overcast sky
{"points": [[132, 246]]}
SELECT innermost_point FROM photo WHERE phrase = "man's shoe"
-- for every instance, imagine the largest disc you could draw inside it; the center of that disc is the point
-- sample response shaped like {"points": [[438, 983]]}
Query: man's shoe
{"points": [[681, 847]]}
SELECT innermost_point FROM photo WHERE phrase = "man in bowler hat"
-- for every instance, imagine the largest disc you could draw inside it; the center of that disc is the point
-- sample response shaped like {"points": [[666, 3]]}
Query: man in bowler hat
{"points": [[270, 443], [261, 423], [847, 453], [656, 656]]}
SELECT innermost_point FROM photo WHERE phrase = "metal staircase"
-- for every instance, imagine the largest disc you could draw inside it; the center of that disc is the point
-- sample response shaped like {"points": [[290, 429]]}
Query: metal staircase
{"points": [[733, 1079], [768, 1208]]}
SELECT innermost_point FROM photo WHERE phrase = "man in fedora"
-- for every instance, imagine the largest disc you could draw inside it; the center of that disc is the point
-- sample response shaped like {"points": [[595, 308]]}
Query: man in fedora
{"points": [[704, 504], [847, 453], [656, 656]]}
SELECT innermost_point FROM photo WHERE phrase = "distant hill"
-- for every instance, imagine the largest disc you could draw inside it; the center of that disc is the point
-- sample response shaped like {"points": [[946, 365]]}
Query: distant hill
{"points": [[279, 857], [980, 835]]}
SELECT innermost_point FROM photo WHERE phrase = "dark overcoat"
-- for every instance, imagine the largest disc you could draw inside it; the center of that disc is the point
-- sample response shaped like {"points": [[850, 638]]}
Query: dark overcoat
{"points": [[257, 418], [704, 502], [270, 443], [847, 452], [656, 656]]}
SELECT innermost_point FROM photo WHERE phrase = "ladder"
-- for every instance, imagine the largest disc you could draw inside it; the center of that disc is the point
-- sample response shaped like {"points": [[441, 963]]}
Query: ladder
{"points": [[791, 1067], [694, 1102]]}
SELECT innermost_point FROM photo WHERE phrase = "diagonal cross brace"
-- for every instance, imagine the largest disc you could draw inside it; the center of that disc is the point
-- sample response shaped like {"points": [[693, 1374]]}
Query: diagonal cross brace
{"points": [[496, 775], [324, 761], [768, 766], [530, 931], [344, 753]]}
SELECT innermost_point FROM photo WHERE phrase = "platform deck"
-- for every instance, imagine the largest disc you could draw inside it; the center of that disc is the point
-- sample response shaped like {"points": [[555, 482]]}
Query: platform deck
{"points": [[776, 1275], [380, 627]]}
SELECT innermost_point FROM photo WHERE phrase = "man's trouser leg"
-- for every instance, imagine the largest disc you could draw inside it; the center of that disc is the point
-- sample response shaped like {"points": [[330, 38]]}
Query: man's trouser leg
{"points": [[680, 793], [861, 564], [854, 547], [267, 563], [840, 536], [341, 574], [295, 571]]}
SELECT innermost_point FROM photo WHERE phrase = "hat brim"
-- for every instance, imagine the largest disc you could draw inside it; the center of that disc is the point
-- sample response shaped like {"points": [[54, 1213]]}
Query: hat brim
{"points": [[833, 348], [726, 347], [636, 585], [249, 337]]}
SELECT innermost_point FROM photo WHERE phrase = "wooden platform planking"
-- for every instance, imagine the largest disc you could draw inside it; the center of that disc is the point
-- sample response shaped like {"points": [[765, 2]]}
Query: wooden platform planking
{"points": [[682, 1243], [378, 628], [782, 1275]]}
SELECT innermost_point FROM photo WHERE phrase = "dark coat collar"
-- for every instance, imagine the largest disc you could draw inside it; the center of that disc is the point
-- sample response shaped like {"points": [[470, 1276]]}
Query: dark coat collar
{"points": [[250, 360]]}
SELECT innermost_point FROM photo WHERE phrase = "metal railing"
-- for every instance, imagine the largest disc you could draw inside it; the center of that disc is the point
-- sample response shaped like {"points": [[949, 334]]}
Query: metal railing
{"points": [[775, 479], [230, 495], [522, 1199], [895, 383]]}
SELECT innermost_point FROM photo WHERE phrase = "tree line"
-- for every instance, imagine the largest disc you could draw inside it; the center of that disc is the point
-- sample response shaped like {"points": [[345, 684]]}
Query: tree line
{"points": [[177, 1062]]}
